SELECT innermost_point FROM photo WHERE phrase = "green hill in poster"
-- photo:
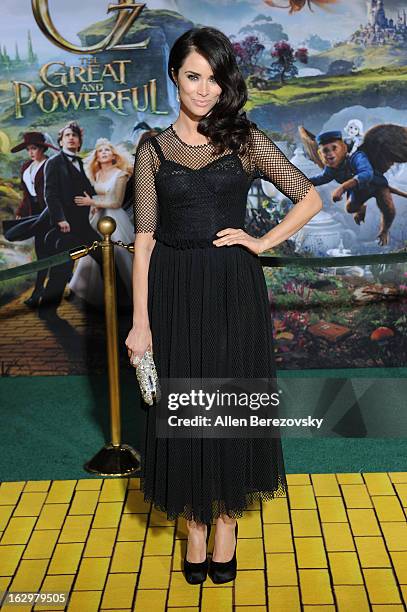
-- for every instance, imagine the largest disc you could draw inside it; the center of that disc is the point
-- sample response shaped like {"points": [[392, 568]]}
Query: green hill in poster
{"points": [[316, 98], [391, 54], [170, 23]]}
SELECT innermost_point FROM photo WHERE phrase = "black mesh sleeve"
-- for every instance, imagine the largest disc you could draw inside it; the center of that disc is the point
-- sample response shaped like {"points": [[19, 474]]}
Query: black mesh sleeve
{"points": [[272, 165], [145, 196]]}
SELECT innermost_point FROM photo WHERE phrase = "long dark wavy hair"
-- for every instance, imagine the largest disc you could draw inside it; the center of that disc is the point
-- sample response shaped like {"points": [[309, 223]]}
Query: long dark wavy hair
{"points": [[226, 126]]}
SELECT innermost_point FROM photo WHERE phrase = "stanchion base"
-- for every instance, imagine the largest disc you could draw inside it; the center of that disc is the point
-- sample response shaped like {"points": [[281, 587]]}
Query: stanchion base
{"points": [[112, 460]]}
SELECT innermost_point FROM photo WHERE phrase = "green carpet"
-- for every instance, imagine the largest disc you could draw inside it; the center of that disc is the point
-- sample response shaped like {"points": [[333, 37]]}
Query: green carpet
{"points": [[52, 425]]}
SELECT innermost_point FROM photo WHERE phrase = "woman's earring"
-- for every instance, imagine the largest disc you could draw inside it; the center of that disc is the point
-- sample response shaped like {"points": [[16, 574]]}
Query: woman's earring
{"points": [[178, 94]]}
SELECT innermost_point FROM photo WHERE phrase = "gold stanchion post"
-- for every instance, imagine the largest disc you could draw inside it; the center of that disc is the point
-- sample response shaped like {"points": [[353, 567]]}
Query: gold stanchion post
{"points": [[114, 459]]}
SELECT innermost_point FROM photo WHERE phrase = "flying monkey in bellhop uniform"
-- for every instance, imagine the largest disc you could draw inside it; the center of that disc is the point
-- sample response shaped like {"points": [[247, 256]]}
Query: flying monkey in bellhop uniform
{"points": [[361, 174]]}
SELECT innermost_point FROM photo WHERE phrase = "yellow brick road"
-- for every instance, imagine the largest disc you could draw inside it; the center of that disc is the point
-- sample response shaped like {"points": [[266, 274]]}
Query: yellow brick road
{"points": [[336, 542], [29, 347]]}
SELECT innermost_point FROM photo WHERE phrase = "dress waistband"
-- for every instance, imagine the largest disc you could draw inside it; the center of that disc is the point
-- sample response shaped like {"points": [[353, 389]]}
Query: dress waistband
{"points": [[183, 242]]}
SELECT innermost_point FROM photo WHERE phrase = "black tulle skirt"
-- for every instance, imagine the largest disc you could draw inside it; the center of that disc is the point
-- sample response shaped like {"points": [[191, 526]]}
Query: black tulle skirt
{"points": [[210, 317]]}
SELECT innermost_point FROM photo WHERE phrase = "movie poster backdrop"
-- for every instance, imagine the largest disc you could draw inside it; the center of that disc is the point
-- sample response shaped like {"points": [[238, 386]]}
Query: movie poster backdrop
{"points": [[327, 81]]}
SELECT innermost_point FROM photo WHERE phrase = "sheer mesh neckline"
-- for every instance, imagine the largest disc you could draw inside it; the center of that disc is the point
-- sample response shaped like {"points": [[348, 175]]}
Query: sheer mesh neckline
{"points": [[197, 146], [261, 159]]}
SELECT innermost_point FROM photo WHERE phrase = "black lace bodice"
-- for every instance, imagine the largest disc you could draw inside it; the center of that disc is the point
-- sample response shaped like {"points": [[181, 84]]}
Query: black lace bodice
{"points": [[184, 193]]}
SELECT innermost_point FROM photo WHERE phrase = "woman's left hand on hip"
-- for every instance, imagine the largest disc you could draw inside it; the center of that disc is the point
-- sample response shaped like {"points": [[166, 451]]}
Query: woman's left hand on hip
{"points": [[230, 236]]}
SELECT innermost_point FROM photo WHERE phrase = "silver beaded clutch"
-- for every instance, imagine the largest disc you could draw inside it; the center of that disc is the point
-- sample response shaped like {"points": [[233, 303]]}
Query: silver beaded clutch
{"points": [[147, 379]]}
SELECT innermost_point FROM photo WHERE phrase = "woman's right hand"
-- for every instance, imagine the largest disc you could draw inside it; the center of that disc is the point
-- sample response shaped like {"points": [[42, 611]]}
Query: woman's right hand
{"points": [[138, 340]]}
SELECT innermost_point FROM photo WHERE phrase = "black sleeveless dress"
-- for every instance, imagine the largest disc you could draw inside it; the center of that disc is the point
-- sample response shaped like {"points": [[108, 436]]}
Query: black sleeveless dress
{"points": [[209, 314]]}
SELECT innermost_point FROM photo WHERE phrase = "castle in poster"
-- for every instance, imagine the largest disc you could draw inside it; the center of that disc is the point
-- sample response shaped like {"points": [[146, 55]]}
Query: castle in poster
{"points": [[17, 64], [380, 29]]}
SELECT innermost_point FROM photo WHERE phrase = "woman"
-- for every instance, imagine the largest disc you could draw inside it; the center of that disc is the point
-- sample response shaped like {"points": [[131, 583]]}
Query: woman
{"points": [[32, 203], [354, 135], [108, 168], [200, 298]]}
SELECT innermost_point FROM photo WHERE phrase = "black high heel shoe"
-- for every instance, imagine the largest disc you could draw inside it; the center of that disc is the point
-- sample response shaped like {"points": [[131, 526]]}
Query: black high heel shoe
{"points": [[226, 571], [195, 573]]}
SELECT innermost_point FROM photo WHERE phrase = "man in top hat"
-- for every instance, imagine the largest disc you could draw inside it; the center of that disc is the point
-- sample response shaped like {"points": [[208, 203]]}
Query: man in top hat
{"points": [[355, 173], [64, 179], [32, 203]]}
